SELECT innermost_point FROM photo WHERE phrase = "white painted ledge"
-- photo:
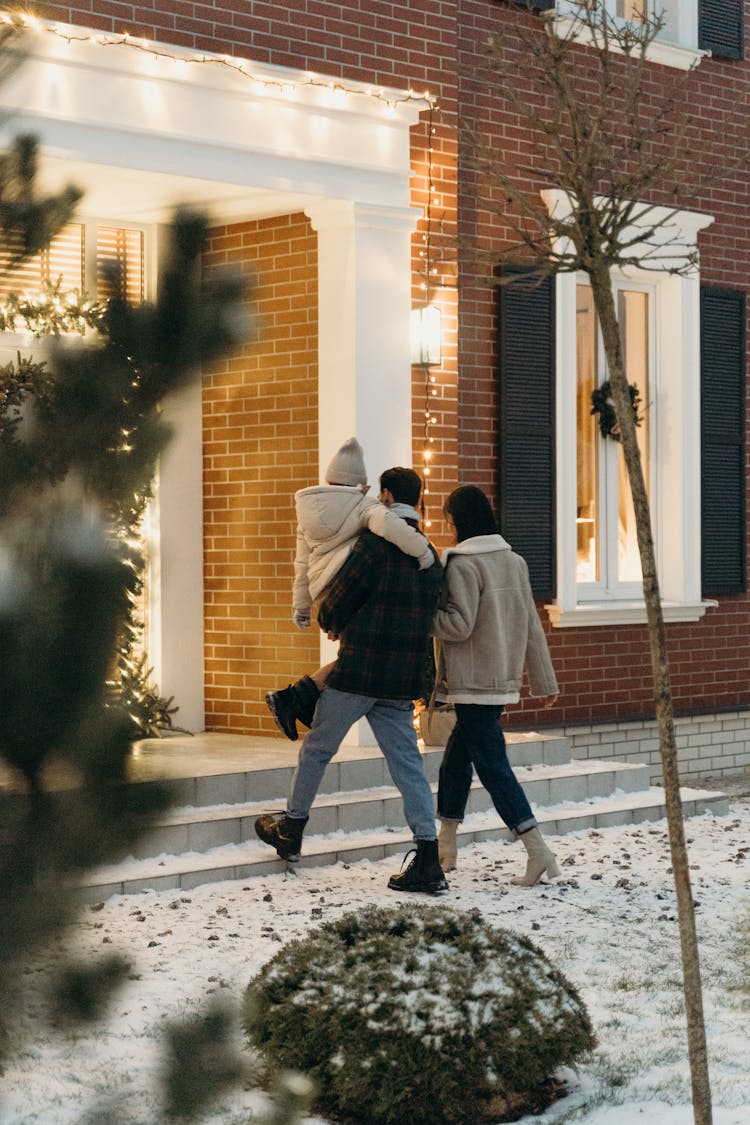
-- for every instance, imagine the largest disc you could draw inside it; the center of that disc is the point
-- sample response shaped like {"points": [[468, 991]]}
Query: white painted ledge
{"points": [[623, 613], [660, 51]]}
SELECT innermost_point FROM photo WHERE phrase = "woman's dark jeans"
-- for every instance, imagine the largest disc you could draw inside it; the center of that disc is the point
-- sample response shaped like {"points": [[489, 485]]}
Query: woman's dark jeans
{"points": [[477, 743]]}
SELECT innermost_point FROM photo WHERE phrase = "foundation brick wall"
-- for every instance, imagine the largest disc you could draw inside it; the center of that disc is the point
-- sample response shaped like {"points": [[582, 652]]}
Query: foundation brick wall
{"points": [[260, 446], [708, 746]]}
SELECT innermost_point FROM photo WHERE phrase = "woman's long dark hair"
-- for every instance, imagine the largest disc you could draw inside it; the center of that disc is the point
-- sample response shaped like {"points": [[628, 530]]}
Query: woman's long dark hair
{"points": [[471, 512]]}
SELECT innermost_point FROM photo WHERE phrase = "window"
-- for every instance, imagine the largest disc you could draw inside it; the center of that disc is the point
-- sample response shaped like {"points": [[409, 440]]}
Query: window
{"points": [[677, 44], [692, 28], [634, 10], [119, 258], [63, 259], [607, 558], [83, 257], [598, 566], [562, 491]]}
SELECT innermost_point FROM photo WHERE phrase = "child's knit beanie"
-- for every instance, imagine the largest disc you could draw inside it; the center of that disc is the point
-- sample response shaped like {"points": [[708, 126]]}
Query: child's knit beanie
{"points": [[348, 465]]}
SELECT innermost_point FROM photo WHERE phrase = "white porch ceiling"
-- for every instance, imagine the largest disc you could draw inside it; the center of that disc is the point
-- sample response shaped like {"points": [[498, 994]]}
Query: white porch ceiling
{"points": [[142, 196]]}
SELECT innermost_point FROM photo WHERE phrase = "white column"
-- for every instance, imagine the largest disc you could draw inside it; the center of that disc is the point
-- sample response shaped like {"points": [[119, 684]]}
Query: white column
{"points": [[364, 301], [175, 579]]}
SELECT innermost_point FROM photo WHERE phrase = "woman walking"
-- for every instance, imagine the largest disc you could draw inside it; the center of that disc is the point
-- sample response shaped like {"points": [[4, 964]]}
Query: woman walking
{"points": [[487, 631]]}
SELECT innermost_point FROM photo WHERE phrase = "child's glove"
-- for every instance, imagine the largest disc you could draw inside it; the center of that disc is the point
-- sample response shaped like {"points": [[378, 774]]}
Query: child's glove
{"points": [[426, 559], [301, 620]]}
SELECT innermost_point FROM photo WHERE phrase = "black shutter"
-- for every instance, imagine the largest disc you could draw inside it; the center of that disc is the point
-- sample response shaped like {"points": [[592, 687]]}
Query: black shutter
{"points": [[526, 433], [720, 27], [537, 5], [722, 441]]}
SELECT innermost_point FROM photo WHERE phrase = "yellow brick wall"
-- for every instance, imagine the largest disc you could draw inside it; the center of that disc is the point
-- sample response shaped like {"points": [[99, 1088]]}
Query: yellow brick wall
{"points": [[260, 446]]}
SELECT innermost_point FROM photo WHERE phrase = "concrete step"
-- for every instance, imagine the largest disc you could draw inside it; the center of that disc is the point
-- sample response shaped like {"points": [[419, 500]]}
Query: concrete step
{"points": [[364, 772], [246, 859], [194, 828]]}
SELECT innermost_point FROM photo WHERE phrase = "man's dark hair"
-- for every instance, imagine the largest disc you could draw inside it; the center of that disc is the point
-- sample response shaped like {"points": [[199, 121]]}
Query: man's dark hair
{"points": [[404, 485], [471, 512]]}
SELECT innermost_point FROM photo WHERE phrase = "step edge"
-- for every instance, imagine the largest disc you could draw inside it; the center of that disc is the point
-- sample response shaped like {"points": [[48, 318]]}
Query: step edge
{"points": [[226, 856]]}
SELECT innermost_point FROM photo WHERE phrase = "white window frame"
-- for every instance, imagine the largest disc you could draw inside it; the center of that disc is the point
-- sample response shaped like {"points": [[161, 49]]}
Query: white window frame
{"points": [[611, 588], [674, 419], [677, 45]]}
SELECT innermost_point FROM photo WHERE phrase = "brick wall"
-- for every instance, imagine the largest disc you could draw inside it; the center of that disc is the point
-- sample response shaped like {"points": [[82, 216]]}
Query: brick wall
{"points": [[604, 672], [435, 391], [260, 446], [378, 41]]}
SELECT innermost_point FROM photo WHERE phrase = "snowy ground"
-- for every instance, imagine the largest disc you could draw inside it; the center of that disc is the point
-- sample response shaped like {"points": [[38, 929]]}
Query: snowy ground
{"points": [[609, 925]]}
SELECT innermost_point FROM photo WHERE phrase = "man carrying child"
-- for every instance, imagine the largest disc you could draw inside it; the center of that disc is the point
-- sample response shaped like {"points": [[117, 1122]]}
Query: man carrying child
{"points": [[380, 606]]}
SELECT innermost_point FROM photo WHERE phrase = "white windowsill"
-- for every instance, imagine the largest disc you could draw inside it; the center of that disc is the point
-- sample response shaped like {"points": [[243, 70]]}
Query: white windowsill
{"points": [[668, 54], [623, 613]]}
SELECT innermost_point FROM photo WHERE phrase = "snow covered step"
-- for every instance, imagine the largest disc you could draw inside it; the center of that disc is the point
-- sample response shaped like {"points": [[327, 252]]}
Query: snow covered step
{"points": [[572, 781], [345, 774], [199, 828], [251, 858]]}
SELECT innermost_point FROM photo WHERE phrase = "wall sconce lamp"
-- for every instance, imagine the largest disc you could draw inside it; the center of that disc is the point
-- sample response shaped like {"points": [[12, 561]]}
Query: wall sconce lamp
{"points": [[425, 336]]}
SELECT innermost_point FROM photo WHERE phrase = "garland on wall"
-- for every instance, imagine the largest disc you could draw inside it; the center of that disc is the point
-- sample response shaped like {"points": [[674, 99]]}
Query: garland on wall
{"points": [[429, 270], [52, 312]]}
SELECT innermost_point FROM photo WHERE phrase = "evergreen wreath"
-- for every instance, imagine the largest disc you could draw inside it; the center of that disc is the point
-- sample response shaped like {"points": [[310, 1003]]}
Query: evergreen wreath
{"points": [[602, 404]]}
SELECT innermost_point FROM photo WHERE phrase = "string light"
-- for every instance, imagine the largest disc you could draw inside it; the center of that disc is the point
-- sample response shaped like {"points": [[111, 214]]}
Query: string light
{"points": [[427, 321], [286, 86]]}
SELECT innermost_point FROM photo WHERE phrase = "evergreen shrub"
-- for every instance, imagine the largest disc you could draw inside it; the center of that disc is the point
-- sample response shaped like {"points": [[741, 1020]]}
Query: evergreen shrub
{"points": [[418, 1014]]}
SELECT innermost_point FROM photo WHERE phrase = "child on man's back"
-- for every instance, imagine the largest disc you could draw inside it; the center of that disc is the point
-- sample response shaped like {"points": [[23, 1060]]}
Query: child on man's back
{"points": [[330, 516]]}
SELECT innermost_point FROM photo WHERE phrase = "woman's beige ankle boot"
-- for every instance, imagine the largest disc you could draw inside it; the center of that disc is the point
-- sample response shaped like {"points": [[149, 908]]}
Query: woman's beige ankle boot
{"points": [[541, 860], [447, 846]]}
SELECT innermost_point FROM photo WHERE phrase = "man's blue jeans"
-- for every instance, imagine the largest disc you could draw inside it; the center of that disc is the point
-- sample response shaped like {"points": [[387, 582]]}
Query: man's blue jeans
{"points": [[392, 722], [477, 741]]}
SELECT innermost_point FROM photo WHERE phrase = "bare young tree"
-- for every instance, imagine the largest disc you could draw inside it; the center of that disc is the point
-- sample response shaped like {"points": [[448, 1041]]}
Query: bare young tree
{"points": [[598, 175]]}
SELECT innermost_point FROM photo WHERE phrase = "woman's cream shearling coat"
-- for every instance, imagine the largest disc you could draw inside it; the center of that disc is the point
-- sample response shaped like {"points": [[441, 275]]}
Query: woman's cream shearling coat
{"points": [[487, 628], [329, 519]]}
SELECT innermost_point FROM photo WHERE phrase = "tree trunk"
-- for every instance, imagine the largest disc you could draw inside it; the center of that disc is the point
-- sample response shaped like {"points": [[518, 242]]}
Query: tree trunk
{"points": [[605, 307]]}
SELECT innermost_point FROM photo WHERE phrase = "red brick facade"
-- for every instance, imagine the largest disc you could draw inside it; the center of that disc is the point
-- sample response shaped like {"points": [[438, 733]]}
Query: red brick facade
{"points": [[259, 427], [604, 672]]}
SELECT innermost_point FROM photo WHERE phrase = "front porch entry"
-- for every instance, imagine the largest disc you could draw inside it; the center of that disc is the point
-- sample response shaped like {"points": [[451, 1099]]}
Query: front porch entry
{"points": [[144, 128]]}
